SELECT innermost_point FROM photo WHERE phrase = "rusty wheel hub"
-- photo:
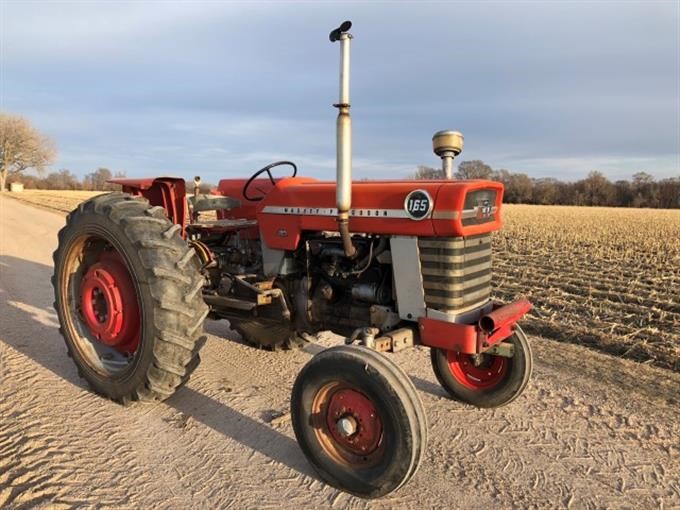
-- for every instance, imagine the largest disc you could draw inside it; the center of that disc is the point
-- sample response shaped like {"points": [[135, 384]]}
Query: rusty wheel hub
{"points": [[108, 303], [353, 422], [477, 376]]}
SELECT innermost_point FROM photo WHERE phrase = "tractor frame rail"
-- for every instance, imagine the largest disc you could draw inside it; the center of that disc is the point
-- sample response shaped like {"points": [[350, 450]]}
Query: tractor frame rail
{"points": [[486, 335]]}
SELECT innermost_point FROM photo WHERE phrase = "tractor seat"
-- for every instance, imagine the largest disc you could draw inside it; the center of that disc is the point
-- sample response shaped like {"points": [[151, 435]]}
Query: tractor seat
{"points": [[212, 203]]}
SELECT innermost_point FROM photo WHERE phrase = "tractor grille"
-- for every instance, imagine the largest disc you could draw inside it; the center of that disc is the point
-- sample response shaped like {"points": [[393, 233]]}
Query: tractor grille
{"points": [[456, 272]]}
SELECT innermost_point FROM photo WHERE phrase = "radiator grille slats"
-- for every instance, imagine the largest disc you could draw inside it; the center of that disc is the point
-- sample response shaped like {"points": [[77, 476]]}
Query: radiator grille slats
{"points": [[456, 272]]}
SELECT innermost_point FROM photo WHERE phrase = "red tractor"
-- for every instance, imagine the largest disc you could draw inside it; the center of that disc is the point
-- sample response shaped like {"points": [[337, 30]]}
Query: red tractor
{"points": [[387, 265]]}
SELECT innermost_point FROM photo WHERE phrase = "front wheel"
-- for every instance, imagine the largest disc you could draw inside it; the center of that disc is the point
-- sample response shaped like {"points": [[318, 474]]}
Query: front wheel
{"points": [[489, 381], [359, 421]]}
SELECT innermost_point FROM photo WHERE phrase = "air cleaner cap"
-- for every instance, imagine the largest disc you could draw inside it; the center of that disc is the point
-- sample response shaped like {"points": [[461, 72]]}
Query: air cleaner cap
{"points": [[447, 141]]}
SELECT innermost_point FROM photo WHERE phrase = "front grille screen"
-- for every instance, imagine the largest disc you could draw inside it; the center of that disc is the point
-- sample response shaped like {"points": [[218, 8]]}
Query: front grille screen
{"points": [[456, 272]]}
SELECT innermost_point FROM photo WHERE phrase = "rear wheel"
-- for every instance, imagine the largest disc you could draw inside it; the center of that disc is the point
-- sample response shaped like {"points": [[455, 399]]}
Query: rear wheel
{"points": [[359, 421], [128, 296], [488, 381]]}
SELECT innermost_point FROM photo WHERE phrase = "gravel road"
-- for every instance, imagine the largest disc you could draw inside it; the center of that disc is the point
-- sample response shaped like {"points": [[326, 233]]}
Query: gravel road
{"points": [[591, 431]]}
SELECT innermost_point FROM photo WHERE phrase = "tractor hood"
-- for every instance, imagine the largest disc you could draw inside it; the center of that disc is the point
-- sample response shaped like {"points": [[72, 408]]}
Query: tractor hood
{"points": [[408, 208]]}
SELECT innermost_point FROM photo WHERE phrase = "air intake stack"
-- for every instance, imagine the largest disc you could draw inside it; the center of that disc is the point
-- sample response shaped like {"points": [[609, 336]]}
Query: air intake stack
{"points": [[447, 145]]}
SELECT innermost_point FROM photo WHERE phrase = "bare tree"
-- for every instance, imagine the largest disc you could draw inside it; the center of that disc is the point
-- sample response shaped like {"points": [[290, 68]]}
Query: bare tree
{"points": [[96, 181], [545, 191], [63, 179], [518, 187], [623, 191], [596, 189], [669, 193], [426, 173], [22, 147], [645, 191], [474, 170]]}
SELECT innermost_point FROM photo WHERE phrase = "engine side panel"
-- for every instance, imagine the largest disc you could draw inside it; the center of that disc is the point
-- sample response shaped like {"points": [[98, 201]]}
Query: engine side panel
{"points": [[408, 280]]}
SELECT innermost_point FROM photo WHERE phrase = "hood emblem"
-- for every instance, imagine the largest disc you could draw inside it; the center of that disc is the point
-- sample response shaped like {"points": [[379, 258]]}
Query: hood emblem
{"points": [[418, 204]]}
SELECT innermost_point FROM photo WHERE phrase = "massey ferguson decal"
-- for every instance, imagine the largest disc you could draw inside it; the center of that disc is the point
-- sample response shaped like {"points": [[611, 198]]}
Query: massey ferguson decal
{"points": [[484, 209]]}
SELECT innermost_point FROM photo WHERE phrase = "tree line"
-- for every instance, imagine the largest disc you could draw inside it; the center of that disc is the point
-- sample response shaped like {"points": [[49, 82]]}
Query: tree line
{"points": [[22, 147], [641, 191], [65, 179]]}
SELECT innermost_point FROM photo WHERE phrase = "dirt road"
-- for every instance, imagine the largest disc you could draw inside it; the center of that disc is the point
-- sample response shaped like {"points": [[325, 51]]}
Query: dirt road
{"points": [[591, 430]]}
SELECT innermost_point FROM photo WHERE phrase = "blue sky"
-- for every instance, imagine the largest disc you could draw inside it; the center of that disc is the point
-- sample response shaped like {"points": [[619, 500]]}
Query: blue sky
{"points": [[221, 89]]}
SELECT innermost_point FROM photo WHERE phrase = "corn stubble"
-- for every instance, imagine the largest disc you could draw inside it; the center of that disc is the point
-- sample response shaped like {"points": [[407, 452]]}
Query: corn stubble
{"points": [[607, 278]]}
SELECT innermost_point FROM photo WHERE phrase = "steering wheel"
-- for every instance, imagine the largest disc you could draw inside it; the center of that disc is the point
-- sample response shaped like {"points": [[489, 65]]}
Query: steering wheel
{"points": [[266, 170]]}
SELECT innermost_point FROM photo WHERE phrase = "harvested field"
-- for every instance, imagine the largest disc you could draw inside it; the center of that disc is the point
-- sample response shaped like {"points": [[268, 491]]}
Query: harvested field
{"points": [[56, 200], [606, 278]]}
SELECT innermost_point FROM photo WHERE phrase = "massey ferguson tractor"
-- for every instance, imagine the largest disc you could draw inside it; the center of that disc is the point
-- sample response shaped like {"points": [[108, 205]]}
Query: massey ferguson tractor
{"points": [[387, 265]]}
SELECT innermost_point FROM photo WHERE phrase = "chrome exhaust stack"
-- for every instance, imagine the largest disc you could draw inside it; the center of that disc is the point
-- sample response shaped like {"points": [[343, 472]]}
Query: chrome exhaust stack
{"points": [[343, 176]]}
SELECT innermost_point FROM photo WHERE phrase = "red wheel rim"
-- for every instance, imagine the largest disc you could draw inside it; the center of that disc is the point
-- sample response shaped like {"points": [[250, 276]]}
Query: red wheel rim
{"points": [[353, 422], [348, 425], [108, 303], [485, 375]]}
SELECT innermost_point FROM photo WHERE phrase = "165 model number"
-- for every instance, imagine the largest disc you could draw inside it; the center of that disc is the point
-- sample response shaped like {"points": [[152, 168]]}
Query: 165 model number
{"points": [[418, 204]]}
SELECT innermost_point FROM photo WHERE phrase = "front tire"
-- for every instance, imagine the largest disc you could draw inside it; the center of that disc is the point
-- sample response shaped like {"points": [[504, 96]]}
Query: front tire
{"points": [[359, 421], [128, 297], [494, 382]]}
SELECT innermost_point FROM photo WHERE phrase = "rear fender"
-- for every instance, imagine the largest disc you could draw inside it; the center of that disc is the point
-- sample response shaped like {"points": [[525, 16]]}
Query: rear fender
{"points": [[166, 192]]}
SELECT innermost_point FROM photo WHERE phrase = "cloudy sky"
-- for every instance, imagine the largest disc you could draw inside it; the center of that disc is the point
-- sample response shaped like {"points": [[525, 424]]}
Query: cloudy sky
{"points": [[221, 89]]}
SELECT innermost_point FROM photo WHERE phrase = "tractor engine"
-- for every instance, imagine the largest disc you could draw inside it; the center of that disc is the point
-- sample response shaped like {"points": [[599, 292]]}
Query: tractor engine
{"points": [[454, 281], [325, 289], [350, 293]]}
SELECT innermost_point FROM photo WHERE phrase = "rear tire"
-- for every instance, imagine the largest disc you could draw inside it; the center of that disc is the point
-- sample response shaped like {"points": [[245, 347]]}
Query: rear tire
{"points": [[359, 421], [496, 382], [159, 350]]}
